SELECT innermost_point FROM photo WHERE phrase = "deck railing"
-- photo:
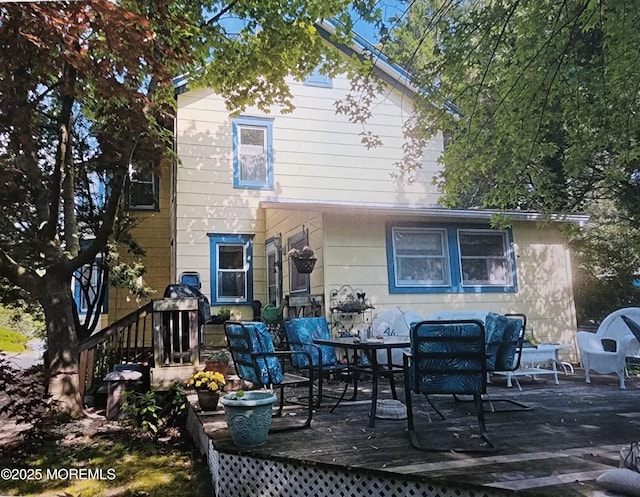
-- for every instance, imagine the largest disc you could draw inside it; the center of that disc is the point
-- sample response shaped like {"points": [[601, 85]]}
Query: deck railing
{"points": [[161, 333]]}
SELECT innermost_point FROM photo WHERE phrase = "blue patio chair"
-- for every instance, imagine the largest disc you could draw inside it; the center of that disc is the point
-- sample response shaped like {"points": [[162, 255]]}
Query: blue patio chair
{"points": [[319, 360], [257, 362], [505, 338], [447, 357]]}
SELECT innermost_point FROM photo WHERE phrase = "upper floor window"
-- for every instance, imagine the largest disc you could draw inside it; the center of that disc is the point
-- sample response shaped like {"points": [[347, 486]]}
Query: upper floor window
{"points": [[142, 190], [449, 259], [316, 78], [231, 268], [252, 153]]}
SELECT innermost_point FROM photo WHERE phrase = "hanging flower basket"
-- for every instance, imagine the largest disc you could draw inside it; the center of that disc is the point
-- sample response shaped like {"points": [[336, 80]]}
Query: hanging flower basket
{"points": [[304, 265]]}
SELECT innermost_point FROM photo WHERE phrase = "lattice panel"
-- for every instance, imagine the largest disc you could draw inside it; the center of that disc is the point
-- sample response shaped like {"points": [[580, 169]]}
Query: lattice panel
{"points": [[250, 477]]}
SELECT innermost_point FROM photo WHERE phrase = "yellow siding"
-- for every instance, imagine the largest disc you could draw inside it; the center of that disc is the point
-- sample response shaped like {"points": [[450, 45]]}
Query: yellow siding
{"points": [[355, 254], [318, 156], [153, 233]]}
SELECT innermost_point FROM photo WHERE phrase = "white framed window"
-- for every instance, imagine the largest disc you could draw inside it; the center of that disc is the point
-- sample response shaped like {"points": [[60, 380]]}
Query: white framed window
{"points": [[484, 258], [421, 257], [142, 190], [429, 258], [252, 145], [231, 268]]}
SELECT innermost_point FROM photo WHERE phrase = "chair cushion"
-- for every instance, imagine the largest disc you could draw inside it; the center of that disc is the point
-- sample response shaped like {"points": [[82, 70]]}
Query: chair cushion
{"points": [[300, 333], [456, 366], [503, 334], [632, 325], [260, 342], [620, 480]]}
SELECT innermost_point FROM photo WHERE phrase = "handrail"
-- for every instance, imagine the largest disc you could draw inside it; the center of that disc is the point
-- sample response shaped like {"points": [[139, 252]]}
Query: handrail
{"points": [[142, 338], [114, 328]]}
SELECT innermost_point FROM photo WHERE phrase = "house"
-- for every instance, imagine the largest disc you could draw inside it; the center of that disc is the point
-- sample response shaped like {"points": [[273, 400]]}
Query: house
{"points": [[251, 187]]}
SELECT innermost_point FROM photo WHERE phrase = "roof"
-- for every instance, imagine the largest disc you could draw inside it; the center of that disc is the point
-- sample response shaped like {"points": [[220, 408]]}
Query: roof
{"points": [[432, 211]]}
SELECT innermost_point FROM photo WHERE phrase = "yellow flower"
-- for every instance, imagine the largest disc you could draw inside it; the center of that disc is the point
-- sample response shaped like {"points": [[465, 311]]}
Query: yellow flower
{"points": [[206, 380]]}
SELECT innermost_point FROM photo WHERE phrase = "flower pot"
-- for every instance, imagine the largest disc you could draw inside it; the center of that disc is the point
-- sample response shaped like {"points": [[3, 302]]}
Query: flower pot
{"points": [[304, 265], [217, 367], [208, 400], [249, 418]]}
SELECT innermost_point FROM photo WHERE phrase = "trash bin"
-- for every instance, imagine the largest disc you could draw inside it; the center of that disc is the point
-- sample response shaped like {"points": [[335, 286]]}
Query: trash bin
{"points": [[118, 381]]}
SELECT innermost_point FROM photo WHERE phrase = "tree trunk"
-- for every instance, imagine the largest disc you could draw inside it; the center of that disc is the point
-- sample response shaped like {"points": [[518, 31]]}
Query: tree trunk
{"points": [[62, 342]]}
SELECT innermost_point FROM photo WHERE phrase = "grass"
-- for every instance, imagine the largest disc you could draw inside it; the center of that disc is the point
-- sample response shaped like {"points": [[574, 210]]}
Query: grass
{"points": [[12, 341], [117, 463]]}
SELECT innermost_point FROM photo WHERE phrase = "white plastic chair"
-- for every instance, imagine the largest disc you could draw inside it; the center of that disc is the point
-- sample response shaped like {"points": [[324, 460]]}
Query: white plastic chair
{"points": [[595, 356]]}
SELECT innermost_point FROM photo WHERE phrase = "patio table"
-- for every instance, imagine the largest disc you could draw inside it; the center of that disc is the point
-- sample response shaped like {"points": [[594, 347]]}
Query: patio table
{"points": [[375, 368]]}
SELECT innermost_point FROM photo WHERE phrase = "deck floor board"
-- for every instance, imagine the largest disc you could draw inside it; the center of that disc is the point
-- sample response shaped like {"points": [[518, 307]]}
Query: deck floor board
{"points": [[573, 433]]}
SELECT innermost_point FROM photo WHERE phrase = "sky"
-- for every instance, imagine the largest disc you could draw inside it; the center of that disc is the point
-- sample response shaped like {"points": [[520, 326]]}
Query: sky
{"points": [[389, 9]]}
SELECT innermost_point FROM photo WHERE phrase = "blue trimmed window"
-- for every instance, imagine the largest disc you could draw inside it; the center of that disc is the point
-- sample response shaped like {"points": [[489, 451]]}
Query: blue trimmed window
{"points": [[87, 282], [430, 258], [252, 153], [231, 268], [316, 78]]}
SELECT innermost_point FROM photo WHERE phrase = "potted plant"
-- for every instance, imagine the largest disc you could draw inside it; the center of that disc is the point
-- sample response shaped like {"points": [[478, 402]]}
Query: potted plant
{"points": [[223, 314], [218, 361], [248, 416], [303, 258], [208, 386]]}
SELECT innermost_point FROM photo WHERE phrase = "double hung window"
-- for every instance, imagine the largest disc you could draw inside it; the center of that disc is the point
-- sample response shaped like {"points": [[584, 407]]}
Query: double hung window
{"points": [[231, 268], [252, 153], [142, 190], [434, 258]]}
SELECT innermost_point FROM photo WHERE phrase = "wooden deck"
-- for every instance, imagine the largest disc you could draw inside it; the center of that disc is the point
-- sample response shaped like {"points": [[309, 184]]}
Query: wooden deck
{"points": [[573, 433]]}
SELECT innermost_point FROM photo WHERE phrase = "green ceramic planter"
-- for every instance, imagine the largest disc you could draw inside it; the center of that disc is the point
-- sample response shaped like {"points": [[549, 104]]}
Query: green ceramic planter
{"points": [[249, 418]]}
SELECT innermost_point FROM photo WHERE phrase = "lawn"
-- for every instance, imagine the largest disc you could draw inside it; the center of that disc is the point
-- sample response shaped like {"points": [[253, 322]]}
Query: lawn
{"points": [[95, 458]]}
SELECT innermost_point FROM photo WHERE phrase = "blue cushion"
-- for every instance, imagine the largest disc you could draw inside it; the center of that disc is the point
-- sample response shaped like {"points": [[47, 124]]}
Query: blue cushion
{"points": [[300, 333], [503, 335], [448, 374], [260, 341]]}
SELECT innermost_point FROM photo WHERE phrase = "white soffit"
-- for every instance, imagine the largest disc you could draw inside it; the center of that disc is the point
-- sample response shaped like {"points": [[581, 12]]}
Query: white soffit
{"points": [[432, 211]]}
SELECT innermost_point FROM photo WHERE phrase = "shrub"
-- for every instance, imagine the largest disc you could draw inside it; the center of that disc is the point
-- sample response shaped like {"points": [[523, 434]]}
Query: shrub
{"points": [[149, 412], [26, 400]]}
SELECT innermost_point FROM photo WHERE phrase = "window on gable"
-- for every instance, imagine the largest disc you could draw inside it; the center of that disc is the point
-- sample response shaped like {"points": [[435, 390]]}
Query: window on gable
{"points": [[231, 268], [252, 144], [142, 190], [449, 259], [316, 78]]}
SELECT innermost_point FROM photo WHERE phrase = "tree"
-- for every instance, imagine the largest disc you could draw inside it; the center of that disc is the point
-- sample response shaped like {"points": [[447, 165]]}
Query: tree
{"points": [[538, 99], [86, 93], [539, 105]]}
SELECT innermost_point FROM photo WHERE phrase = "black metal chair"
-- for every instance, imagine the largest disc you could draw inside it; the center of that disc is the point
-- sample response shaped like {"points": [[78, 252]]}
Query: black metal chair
{"points": [[447, 357], [300, 333], [257, 362]]}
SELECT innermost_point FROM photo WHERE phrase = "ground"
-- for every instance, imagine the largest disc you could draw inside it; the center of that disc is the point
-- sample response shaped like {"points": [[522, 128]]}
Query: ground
{"points": [[94, 457]]}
